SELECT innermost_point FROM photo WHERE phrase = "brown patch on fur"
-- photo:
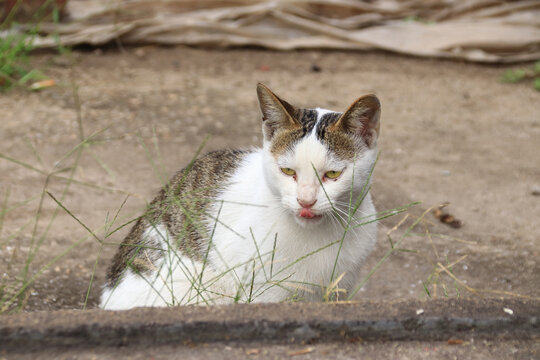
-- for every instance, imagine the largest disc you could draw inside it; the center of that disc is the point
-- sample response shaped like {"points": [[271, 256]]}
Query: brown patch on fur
{"points": [[341, 144], [284, 140], [181, 206], [126, 252]]}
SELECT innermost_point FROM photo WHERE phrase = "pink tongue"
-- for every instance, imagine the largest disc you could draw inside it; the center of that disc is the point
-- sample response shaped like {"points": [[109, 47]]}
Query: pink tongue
{"points": [[306, 213]]}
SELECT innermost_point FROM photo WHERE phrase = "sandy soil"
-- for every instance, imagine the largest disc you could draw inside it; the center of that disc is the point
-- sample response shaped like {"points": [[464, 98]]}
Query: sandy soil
{"points": [[450, 132]]}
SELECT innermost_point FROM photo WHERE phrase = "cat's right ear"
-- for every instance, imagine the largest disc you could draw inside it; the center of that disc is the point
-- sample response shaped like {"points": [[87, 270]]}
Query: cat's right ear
{"points": [[277, 113]]}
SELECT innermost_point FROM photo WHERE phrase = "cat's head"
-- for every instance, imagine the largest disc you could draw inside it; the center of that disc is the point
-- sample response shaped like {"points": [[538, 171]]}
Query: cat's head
{"points": [[314, 158]]}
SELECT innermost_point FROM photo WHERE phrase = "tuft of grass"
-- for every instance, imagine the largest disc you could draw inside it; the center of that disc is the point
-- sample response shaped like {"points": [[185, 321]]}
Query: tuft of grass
{"points": [[531, 74], [17, 45], [15, 69], [25, 244]]}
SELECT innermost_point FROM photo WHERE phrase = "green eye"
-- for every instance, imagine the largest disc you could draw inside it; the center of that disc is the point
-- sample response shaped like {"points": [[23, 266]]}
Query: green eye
{"points": [[288, 171], [332, 174]]}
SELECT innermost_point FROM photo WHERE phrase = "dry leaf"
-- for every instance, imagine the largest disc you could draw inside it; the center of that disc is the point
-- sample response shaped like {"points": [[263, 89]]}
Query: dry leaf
{"points": [[253, 351], [447, 218], [455, 342], [38, 85], [190, 344], [355, 340], [301, 352]]}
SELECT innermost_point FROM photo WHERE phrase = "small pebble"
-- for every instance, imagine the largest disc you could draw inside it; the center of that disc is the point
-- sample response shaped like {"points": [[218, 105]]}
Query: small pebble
{"points": [[535, 190], [140, 52], [419, 311], [315, 68], [445, 172], [508, 311]]}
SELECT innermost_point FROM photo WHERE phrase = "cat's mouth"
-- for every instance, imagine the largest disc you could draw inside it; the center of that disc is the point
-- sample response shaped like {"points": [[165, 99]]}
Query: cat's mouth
{"points": [[308, 214]]}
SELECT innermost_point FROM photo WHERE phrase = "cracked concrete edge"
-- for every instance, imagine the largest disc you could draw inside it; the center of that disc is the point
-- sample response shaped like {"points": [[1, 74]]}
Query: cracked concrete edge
{"points": [[439, 319]]}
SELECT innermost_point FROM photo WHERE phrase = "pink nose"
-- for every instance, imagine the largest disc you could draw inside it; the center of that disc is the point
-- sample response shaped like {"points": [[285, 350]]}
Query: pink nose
{"points": [[305, 204]]}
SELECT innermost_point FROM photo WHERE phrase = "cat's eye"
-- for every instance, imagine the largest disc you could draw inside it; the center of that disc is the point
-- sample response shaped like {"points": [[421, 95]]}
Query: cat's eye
{"points": [[332, 174], [288, 171]]}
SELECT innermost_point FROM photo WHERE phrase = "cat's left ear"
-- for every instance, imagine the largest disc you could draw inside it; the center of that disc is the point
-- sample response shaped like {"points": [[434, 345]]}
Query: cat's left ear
{"points": [[361, 119], [277, 113]]}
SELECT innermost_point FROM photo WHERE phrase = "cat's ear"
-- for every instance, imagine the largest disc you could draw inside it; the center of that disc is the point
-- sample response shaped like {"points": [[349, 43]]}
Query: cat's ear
{"points": [[361, 119], [277, 113]]}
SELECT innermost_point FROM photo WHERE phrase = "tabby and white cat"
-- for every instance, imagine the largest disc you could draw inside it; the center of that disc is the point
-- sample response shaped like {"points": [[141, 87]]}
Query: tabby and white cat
{"points": [[264, 225]]}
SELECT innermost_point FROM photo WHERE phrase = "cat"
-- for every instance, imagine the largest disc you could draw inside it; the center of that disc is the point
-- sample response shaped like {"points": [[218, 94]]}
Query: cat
{"points": [[270, 224]]}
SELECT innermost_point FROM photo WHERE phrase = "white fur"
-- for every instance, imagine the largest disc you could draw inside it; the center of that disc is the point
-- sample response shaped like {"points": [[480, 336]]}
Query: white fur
{"points": [[321, 112], [259, 207], [174, 281]]}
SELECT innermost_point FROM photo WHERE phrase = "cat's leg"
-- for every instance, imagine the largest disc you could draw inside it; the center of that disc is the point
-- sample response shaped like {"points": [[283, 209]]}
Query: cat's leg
{"points": [[178, 281], [133, 290], [159, 274]]}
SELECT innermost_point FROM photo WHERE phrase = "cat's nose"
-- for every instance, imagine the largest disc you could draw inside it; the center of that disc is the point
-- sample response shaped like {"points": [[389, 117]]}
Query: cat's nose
{"points": [[306, 204]]}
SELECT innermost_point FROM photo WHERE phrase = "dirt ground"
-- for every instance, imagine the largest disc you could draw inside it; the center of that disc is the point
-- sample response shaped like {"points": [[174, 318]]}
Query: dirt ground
{"points": [[483, 349], [450, 132]]}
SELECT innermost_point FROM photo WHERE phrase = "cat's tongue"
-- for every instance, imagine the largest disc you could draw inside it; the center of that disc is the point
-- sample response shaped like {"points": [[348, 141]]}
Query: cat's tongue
{"points": [[306, 213]]}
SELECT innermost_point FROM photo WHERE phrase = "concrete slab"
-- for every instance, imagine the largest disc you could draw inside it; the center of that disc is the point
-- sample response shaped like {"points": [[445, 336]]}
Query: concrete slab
{"points": [[267, 324]]}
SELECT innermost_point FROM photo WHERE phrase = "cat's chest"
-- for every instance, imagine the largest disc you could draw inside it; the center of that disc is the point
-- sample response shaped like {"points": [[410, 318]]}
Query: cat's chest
{"points": [[278, 262], [279, 243], [253, 227]]}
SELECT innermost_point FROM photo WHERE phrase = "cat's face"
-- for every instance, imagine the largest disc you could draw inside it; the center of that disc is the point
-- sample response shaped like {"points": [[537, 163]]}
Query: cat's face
{"points": [[314, 158]]}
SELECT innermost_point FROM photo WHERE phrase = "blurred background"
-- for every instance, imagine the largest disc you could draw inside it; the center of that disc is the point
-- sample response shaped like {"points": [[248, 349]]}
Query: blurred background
{"points": [[476, 30]]}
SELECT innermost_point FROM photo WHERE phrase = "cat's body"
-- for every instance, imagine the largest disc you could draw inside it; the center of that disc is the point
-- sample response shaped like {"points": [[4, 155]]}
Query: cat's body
{"points": [[260, 225]]}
